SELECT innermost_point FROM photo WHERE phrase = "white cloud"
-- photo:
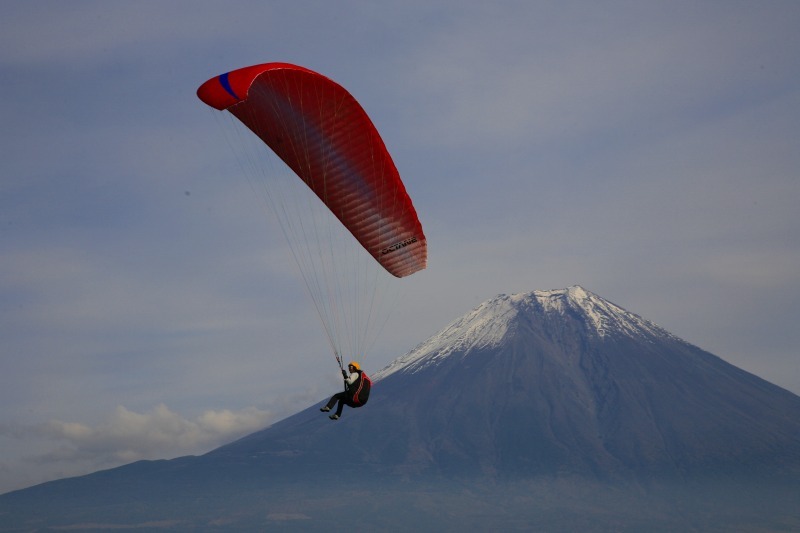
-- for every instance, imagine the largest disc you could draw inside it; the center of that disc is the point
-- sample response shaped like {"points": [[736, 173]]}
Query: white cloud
{"points": [[128, 435], [74, 448]]}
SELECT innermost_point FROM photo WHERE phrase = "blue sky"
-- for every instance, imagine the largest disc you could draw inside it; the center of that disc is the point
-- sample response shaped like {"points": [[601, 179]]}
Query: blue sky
{"points": [[644, 150]]}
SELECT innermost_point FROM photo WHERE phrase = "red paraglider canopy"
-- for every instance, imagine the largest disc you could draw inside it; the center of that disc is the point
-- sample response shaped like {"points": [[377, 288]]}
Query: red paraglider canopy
{"points": [[322, 133]]}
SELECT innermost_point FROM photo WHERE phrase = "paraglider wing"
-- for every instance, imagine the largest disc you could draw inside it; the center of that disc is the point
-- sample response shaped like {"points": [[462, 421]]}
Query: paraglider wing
{"points": [[322, 133]]}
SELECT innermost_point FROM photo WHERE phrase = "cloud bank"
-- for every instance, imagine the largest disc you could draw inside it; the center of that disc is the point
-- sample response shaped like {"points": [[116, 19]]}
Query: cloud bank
{"points": [[74, 448]]}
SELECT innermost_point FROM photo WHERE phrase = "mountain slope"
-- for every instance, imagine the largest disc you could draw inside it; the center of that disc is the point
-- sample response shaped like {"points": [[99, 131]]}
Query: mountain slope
{"points": [[548, 382]]}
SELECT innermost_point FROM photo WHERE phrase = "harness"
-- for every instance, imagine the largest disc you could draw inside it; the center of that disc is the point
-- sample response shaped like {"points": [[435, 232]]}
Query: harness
{"points": [[361, 393]]}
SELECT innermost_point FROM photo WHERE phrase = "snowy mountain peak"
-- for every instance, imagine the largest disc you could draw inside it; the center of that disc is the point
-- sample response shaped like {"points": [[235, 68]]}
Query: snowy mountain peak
{"points": [[489, 324], [601, 316], [483, 327]]}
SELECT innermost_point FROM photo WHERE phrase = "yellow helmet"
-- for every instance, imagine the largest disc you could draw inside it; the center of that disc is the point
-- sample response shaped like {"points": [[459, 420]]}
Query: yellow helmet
{"points": [[354, 365]]}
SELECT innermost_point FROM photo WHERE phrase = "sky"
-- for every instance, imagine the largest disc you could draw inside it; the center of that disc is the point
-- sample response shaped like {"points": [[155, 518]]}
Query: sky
{"points": [[647, 151]]}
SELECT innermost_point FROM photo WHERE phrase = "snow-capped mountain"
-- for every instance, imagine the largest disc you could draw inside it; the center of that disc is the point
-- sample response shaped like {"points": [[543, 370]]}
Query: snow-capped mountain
{"points": [[490, 323], [552, 381], [541, 387]]}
